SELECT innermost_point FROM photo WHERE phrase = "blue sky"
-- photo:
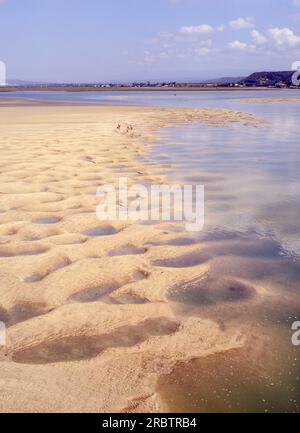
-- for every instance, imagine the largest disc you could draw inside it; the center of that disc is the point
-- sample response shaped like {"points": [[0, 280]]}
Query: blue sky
{"points": [[126, 40]]}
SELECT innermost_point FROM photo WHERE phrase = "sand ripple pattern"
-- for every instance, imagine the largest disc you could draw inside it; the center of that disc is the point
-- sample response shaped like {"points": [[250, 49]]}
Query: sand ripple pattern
{"points": [[86, 303]]}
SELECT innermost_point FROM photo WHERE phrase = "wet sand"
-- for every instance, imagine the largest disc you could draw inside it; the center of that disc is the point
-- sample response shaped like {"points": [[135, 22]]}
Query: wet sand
{"points": [[269, 100], [88, 305]]}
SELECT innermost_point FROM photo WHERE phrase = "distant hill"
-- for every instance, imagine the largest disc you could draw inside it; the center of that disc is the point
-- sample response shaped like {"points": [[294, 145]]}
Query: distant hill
{"points": [[274, 79], [281, 79]]}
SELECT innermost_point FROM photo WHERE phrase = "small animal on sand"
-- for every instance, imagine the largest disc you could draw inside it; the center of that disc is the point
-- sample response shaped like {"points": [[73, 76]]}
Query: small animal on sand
{"points": [[129, 128]]}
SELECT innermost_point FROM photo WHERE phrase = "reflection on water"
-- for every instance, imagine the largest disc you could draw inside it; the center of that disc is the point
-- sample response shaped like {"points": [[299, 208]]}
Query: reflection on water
{"points": [[251, 175], [251, 245]]}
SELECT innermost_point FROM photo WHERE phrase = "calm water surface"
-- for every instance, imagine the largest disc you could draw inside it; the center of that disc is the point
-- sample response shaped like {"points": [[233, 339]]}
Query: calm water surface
{"points": [[251, 243], [157, 98]]}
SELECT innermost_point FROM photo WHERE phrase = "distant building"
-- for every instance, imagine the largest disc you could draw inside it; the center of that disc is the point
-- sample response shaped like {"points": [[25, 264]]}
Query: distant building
{"points": [[281, 85]]}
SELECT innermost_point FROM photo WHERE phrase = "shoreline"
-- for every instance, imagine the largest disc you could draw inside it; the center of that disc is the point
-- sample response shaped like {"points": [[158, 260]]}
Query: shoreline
{"points": [[269, 100], [137, 89]]}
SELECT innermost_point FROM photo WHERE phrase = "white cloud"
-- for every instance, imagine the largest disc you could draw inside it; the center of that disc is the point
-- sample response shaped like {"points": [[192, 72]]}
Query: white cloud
{"points": [[206, 43], [237, 45], [198, 41], [284, 36], [221, 28], [160, 37], [258, 37], [196, 30], [148, 57], [202, 51], [242, 23]]}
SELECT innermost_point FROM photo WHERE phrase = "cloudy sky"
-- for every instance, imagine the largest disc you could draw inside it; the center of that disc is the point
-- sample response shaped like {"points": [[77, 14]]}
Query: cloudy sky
{"points": [[126, 40]]}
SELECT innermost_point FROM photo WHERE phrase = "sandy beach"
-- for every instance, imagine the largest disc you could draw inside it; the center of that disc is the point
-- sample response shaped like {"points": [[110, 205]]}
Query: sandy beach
{"points": [[89, 326]]}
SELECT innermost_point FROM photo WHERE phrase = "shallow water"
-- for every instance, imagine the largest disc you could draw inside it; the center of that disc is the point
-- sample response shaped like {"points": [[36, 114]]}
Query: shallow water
{"points": [[127, 250], [100, 231], [252, 247], [46, 220], [77, 348], [250, 379], [191, 99]]}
